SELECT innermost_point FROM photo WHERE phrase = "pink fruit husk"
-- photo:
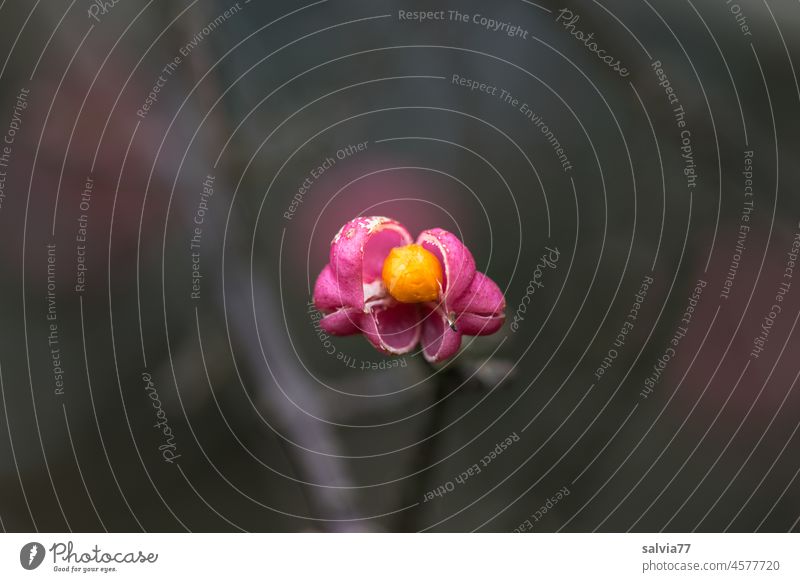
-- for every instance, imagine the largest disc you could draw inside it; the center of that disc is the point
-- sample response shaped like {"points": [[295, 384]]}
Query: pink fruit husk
{"points": [[350, 292]]}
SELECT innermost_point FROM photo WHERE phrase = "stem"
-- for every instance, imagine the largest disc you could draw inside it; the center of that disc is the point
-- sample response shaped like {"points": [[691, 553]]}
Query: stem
{"points": [[447, 380]]}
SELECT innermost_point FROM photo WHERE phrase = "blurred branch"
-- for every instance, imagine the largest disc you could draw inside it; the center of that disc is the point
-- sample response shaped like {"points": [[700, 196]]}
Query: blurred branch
{"points": [[330, 494]]}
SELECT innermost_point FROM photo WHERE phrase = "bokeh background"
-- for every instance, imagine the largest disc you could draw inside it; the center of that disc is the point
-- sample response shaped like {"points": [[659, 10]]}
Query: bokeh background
{"points": [[275, 427]]}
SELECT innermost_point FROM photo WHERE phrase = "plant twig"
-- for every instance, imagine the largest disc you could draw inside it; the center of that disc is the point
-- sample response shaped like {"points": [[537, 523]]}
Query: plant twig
{"points": [[447, 380]]}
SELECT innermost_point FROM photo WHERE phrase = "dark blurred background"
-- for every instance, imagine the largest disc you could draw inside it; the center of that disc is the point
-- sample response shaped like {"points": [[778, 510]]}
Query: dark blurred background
{"points": [[275, 427]]}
